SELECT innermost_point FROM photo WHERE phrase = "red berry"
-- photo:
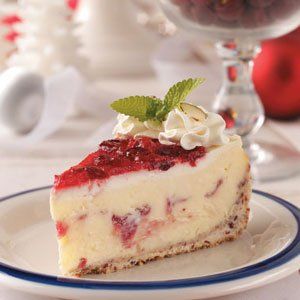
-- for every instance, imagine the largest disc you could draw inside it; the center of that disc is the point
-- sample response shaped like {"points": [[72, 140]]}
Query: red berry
{"points": [[260, 3], [126, 227], [196, 154], [169, 206], [82, 263], [144, 210], [61, 229], [202, 12], [164, 165], [171, 150], [229, 10], [110, 145], [254, 17], [102, 160], [282, 9], [95, 172]]}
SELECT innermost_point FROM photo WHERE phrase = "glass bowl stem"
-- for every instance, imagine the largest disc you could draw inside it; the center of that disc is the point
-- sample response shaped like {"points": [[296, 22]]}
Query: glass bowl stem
{"points": [[237, 96]]}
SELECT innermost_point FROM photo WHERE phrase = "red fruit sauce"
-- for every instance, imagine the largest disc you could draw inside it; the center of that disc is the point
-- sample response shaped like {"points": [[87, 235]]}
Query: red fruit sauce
{"points": [[119, 156]]}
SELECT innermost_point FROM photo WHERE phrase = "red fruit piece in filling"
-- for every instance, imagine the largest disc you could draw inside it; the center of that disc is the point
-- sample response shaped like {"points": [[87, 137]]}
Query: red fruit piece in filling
{"points": [[125, 227], [82, 263], [144, 210], [61, 229], [169, 206], [171, 202], [82, 217], [215, 189]]}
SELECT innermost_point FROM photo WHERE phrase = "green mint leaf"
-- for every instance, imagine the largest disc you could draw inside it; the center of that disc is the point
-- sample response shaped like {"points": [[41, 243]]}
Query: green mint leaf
{"points": [[179, 91], [141, 107], [151, 108], [161, 113]]}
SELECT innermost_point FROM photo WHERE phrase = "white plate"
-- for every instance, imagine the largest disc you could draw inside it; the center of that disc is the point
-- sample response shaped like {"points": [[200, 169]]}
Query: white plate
{"points": [[267, 251]]}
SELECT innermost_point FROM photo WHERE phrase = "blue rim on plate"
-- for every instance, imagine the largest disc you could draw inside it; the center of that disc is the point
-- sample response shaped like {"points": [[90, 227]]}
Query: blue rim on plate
{"points": [[287, 254]]}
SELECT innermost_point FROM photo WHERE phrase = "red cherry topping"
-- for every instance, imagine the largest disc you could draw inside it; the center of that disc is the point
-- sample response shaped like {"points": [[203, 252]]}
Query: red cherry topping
{"points": [[115, 157]]}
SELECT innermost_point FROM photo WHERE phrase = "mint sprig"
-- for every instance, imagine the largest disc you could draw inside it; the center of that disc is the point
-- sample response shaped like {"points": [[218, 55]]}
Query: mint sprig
{"points": [[141, 107], [151, 108]]}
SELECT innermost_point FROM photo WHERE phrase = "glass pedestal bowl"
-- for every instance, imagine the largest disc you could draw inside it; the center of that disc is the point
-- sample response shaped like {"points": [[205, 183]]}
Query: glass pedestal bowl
{"points": [[236, 27]]}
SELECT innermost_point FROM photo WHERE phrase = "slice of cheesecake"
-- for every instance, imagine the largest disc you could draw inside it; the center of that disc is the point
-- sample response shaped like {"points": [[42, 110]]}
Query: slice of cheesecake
{"points": [[135, 200]]}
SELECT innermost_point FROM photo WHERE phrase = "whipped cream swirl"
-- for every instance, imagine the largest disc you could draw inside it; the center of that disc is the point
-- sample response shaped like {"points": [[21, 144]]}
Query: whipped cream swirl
{"points": [[178, 128]]}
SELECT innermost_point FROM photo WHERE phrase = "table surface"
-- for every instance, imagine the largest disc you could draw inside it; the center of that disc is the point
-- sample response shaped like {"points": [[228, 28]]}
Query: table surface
{"points": [[21, 170]]}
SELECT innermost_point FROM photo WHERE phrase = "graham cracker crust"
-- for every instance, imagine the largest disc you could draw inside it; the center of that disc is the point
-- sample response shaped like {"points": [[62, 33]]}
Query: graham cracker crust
{"points": [[228, 230]]}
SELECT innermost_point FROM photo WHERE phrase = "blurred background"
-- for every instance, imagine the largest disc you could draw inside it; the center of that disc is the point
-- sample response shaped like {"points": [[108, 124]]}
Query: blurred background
{"points": [[64, 61]]}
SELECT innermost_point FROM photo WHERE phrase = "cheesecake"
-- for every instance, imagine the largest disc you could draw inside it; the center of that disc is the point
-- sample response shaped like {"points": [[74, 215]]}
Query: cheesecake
{"points": [[163, 186]]}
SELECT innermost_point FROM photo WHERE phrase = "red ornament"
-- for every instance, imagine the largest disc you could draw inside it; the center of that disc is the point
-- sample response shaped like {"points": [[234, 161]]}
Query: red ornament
{"points": [[72, 4], [276, 76], [12, 36], [11, 20]]}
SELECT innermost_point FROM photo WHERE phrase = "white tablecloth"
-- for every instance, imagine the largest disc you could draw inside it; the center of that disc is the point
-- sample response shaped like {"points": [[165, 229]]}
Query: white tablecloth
{"points": [[25, 170]]}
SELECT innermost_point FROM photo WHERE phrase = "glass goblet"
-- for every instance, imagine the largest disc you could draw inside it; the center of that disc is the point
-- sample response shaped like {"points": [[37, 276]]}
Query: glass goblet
{"points": [[236, 27]]}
